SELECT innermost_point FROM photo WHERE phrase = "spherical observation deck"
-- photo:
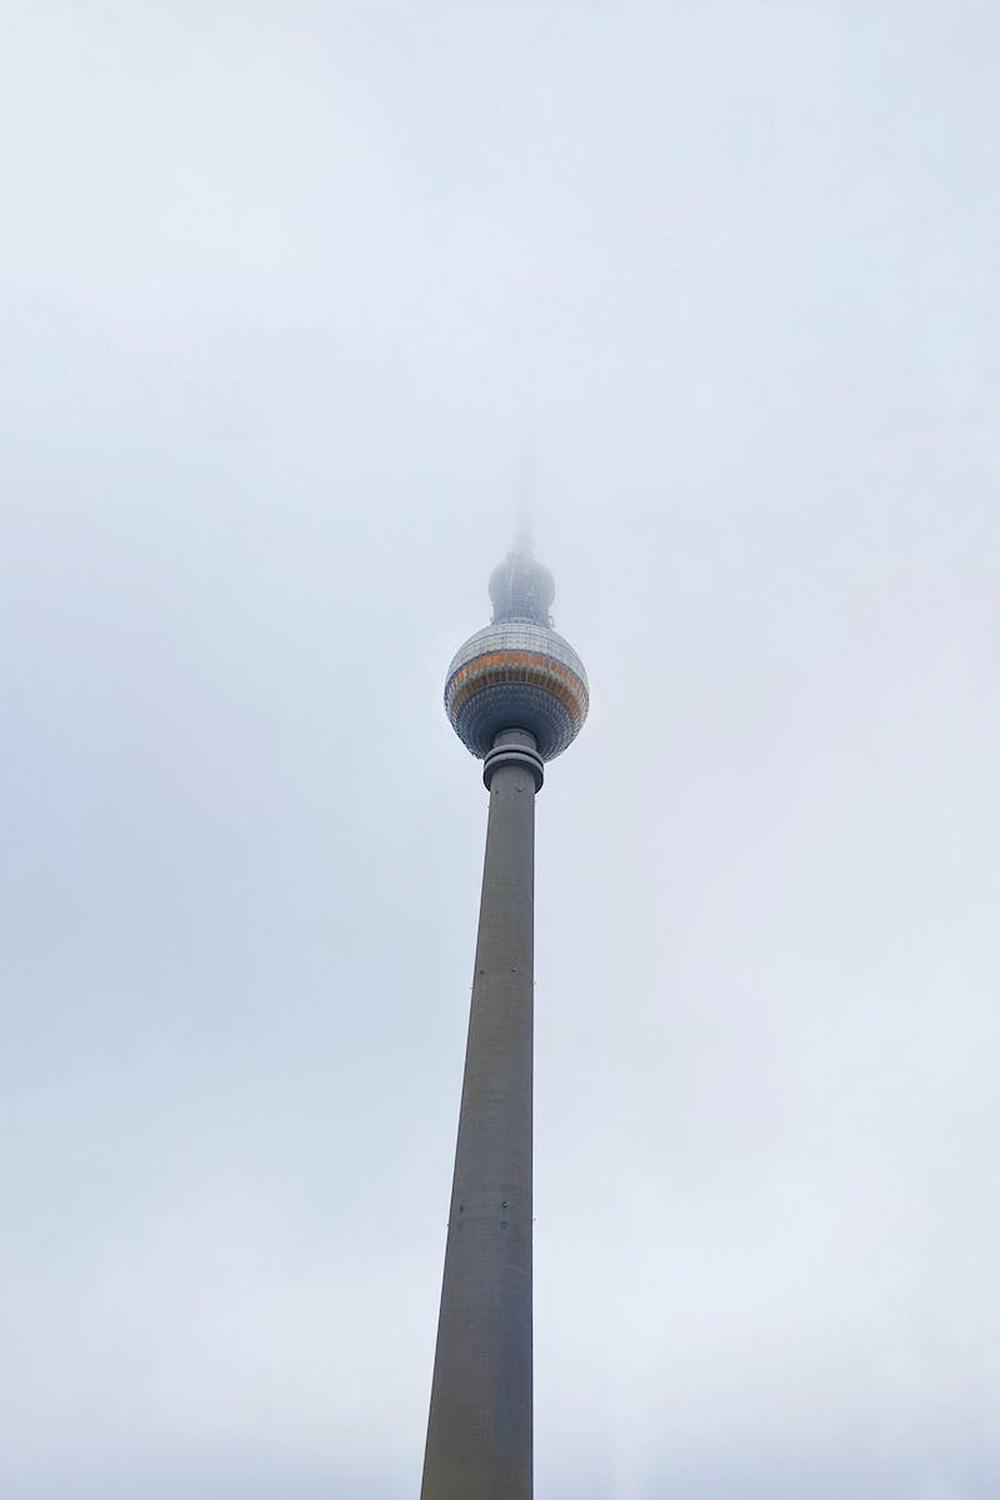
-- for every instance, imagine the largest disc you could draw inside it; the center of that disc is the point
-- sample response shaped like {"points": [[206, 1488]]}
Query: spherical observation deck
{"points": [[517, 673]]}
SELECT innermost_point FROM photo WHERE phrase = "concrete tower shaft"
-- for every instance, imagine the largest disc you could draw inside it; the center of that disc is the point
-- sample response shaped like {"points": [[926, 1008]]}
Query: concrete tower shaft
{"points": [[479, 1436]]}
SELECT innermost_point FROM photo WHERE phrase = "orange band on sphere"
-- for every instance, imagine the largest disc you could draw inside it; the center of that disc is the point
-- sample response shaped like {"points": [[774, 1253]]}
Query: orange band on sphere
{"points": [[529, 667]]}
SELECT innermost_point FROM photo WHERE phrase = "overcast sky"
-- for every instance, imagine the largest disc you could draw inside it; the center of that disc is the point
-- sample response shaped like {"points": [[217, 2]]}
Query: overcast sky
{"points": [[283, 285]]}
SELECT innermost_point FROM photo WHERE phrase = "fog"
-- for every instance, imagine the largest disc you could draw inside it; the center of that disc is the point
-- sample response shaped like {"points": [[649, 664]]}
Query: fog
{"points": [[283, 288]]}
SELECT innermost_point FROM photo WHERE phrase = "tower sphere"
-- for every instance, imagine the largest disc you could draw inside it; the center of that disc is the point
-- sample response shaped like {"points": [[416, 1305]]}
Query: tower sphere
{"points": [[517, 672]]}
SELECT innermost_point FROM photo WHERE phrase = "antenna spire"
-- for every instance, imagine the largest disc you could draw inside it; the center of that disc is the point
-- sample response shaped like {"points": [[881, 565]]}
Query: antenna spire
{"points": [[527, 487]]}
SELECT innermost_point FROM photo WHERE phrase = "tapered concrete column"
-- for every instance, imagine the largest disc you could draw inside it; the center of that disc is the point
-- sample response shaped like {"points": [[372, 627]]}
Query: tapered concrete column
{"points": [[479, 1431]]}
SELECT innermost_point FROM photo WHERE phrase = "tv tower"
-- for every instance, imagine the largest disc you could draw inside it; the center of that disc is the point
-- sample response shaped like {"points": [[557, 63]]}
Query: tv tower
{"points": [[517, 696]]}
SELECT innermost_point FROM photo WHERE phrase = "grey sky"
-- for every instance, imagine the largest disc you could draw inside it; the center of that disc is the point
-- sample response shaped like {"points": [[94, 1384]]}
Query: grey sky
{"points": [[282, 285]]}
